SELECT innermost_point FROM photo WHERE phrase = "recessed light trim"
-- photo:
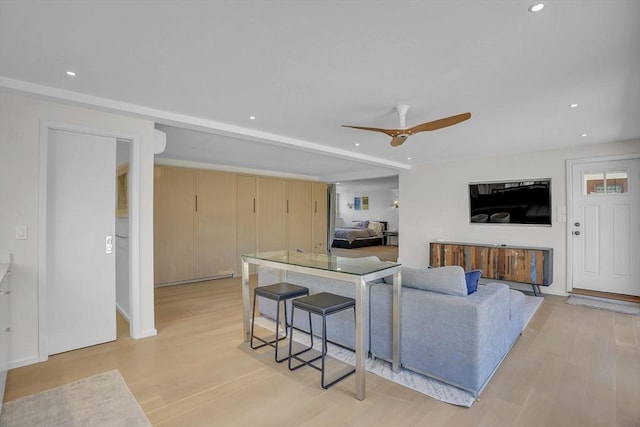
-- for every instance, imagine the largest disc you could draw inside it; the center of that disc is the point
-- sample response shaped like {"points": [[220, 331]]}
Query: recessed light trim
{"points": [[536, 7], [71, 73]]}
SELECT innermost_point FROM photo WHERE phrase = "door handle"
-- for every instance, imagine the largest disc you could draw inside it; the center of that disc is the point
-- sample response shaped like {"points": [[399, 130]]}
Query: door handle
{"points": [[109, 245]]}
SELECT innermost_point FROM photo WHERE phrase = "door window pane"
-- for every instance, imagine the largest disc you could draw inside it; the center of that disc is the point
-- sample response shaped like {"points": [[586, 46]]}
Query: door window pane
{"points": [[605, 182]]}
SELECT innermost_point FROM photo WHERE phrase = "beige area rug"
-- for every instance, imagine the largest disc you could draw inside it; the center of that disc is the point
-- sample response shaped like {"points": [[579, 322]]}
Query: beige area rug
{"points": [[100, 400]]}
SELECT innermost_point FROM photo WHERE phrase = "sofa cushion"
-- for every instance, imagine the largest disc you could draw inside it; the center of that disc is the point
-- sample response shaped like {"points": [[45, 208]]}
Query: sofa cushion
{"points": [[445, 280], [472, 277]]}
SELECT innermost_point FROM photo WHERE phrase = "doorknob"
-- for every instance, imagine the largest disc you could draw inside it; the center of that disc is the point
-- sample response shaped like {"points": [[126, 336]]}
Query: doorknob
{"points": [[577, 233]]}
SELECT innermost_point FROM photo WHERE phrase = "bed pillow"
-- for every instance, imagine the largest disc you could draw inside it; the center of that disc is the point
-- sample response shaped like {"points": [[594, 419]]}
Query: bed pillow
{"points": [[448, 280], [378, 227], [360, 224], [472, 277]]}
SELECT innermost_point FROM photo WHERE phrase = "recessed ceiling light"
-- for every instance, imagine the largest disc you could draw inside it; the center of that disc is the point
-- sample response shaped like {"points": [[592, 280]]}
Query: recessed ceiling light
{"points": [[583, 134], [573, 105], [71, 73], [408, 158], [357, 144], [252, 117], [536, 7]]}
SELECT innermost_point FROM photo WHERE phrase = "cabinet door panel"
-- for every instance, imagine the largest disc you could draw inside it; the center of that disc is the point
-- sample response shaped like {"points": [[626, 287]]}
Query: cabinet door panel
{"points": [[246, 226], [299, 196], [173, 224], [216, 224], [272, 214], [320, 218]]}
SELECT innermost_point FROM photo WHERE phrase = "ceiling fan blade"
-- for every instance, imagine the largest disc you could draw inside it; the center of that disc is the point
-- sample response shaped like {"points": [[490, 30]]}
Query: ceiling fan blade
{"points": [[439, 124], [390, 132], [398, 140]]}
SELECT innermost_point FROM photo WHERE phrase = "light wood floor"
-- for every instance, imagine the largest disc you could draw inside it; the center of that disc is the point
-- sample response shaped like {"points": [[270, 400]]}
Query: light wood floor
{"points": [[572, 366], [384, 252]]}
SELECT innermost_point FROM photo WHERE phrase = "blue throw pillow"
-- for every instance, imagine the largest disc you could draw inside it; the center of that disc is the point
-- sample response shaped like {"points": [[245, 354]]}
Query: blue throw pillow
{"points": [[472, 278]]}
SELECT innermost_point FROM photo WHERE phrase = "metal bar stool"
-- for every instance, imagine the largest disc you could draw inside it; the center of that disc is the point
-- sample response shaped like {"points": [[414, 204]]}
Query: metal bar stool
{"points": [[322, 304], [278, 292]]}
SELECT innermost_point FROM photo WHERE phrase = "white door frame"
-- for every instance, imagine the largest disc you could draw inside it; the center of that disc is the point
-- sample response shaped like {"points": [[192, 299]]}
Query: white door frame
{"points": [[569, 191], [134, 227]]}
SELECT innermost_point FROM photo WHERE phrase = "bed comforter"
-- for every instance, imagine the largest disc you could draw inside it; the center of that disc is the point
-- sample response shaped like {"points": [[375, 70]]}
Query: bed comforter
{"points": [[353, 233]]}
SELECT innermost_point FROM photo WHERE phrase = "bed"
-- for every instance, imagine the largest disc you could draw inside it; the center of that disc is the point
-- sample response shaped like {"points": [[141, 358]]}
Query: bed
{"points": [[359, 235]]}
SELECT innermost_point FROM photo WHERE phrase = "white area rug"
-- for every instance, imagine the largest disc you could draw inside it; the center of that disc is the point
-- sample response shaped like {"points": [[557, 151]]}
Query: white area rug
{"points": [[420, 383], [624, 307], [100, 400]]}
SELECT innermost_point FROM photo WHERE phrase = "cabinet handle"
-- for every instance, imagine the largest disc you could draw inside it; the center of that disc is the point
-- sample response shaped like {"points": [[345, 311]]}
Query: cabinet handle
{"points": [[196, 203], [287, 206], [315, 209], [254, 205]]}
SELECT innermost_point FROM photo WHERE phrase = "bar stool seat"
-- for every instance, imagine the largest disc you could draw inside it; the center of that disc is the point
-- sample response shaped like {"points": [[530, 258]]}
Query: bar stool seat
{"points": [[322, 304], [278, 292]]}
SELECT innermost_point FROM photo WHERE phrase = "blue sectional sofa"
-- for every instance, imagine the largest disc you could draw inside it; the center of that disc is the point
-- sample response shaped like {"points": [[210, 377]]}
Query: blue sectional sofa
{"points": [[446, 334]]}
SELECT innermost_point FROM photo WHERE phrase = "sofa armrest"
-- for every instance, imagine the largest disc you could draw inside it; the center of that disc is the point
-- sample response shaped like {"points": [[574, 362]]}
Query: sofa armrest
{"points": [[460, 340]]}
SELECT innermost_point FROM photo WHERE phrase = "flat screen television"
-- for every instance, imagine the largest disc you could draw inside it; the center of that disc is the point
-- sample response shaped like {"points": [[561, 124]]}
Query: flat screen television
{"points": [[511, 202]]}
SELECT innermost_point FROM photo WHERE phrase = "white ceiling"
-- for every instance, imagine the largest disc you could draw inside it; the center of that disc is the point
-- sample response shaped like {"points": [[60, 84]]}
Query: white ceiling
{"points": [[304, 68]]}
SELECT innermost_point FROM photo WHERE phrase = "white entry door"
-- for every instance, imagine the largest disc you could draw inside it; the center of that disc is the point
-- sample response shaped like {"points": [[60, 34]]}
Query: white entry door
{"points": [[80, 222], [606, 226]]}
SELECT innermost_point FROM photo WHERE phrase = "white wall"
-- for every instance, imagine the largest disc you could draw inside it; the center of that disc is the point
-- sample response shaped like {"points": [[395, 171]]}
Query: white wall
{"points": [[435, 203], [380, 208], [20, 120]]}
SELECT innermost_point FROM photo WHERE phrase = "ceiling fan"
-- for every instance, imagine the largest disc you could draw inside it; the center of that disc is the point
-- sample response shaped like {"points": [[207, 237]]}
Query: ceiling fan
{"points": [[398, 136]]}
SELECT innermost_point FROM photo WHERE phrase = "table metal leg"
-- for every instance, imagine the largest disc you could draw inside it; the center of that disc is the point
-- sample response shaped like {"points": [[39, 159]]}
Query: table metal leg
{"points": [[361, 312], [245, 302], [397, 306]]}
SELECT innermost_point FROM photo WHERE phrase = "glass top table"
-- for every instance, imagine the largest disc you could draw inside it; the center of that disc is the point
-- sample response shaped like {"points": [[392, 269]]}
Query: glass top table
{"points": [[358, 271]]}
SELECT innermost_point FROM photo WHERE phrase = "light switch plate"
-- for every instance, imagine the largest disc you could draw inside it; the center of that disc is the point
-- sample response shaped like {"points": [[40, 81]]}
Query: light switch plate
{"points": [[21, 232]]}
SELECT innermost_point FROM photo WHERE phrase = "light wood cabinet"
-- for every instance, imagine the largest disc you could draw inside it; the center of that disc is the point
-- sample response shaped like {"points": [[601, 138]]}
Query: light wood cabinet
{"points": [[272, 214], [299, 216], [194, 224], [204, 220], [246, 218], [320, 215], [285, 215], [173, 224], [216, 224]]}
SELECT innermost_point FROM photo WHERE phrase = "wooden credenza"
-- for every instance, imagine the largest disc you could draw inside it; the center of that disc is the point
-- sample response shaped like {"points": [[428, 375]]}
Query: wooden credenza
{"points": [[520, 264]]}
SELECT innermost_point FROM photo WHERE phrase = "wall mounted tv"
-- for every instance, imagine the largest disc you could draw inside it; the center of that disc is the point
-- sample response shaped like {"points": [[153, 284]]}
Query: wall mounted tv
{"points": [[511, 202]]}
